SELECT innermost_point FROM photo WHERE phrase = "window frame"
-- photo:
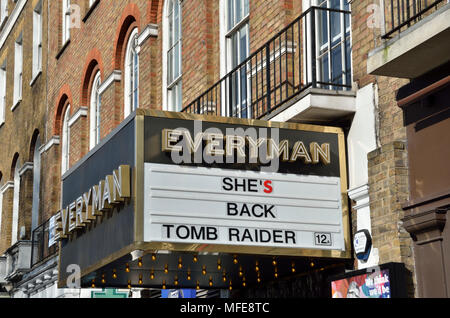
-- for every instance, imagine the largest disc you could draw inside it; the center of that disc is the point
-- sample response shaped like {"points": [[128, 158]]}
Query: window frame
{"points": [[95, 111], [233, 56], [174, 80], [65, 141], [37, 41], [131, 74], [18, 71], [16, 204], [36, 184], [66, 12], [3, 83], [333, 43]]}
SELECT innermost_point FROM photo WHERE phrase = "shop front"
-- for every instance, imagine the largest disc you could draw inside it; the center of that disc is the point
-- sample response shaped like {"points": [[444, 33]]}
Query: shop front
{"points": [[178, 201]]}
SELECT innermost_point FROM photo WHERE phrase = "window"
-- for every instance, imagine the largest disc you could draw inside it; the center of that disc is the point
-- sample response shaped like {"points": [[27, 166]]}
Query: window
{"points": [[237, 51], [36, 184], [2, 92], [131, 67], [37, 40], [18, 71], [174, 70], [95, 107], [65, 21], [16, 196], [3, 10], [334, 50], [65, 142]]}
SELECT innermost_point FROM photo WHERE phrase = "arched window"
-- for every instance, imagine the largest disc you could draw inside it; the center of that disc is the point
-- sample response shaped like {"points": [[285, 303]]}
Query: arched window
{"points": [[173, 55], [131, 75], [16, 196], [95, 107], [65, 141], [36, 184]]}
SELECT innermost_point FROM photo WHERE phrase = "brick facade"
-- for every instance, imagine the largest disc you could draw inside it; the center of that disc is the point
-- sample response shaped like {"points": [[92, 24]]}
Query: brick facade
{"points": [[387, 165], [24, 121], [98, 44]]}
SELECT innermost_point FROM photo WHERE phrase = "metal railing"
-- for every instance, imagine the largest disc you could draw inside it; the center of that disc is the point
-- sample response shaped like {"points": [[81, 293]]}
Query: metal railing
{"points": [[401, 14], [300, 56], [40, 244]]}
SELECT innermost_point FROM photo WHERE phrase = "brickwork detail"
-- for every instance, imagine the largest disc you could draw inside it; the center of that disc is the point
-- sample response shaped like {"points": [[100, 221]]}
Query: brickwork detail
{"points": [[389, 189]]}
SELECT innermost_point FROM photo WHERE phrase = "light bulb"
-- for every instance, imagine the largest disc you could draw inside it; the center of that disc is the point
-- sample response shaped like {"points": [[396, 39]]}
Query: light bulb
{"points": [[114, 275], [210, 282], [180, 263], [164, 285], [274, 262], [293, 267], [235, 260], [176, 281], [129, 284], [219, 265], [140, 280], [127, 268], [204, 270], [198, 285], [93, 283], [153, 257], [189, 275], [166, 269], [152, 275], [257, 266], [103, 279], [241, 273], [140, 262], [195, 259]]}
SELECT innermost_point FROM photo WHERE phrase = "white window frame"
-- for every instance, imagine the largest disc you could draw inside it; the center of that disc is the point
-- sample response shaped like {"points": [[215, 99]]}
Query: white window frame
{"points": [[18, 72], [131, 75], [36, 184], [321, 50], [66, 12], [3, 11], [3, 81], [37, 40], [16, 202], [172, 86], [226, 48], [95, 109], [65, 142]]}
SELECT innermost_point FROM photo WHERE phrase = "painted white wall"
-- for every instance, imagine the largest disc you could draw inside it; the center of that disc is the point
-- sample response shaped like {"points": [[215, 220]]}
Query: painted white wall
{"points": [[361, 137], [360, 141]]}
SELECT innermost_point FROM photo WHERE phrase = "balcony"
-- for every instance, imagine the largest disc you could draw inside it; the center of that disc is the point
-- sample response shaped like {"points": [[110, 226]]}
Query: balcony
{"points": [[43, 247], [17, 260], [302, 74], [416, 41]]}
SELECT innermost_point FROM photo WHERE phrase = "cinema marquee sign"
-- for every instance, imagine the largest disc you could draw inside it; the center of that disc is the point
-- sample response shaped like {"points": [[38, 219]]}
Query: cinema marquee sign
{"points": [[181, 182]]}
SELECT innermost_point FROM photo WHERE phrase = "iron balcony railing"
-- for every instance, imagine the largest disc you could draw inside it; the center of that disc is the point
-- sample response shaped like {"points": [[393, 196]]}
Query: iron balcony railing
{"points": [[401, 14], [40, 244], [312, 51]]}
